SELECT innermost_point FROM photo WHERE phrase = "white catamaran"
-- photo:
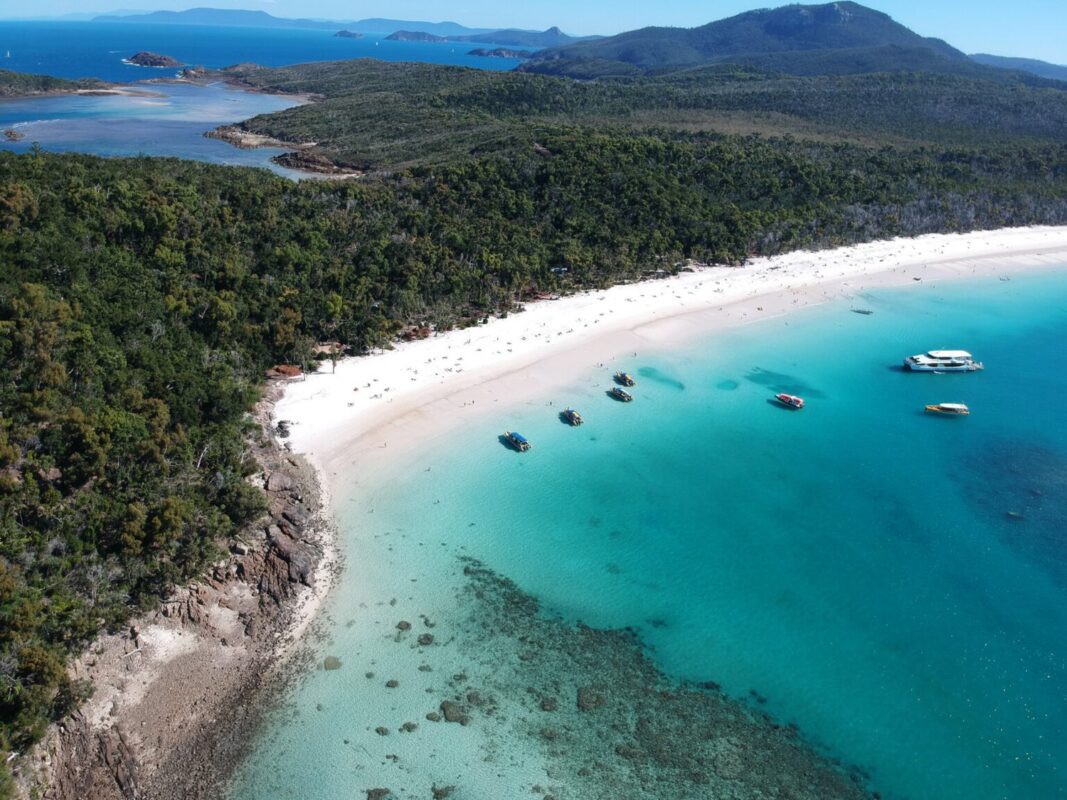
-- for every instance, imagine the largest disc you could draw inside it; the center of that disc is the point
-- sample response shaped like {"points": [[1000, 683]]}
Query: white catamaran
{"points": [[943, 361]]}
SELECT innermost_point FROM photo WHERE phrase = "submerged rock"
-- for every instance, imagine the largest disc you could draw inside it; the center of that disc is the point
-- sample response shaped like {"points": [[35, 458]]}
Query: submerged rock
{"points": [[588, 699], [454, 712], [331, 663]]}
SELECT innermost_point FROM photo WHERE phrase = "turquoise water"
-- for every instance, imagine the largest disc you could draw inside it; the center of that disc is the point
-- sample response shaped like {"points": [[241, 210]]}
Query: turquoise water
{"points": [[893, 583], [171, 121]]}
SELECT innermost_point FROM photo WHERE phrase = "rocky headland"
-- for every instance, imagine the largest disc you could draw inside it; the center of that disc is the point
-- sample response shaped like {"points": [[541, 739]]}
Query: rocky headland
{"points": [[178, 694], [501, 52], [416, 36]]}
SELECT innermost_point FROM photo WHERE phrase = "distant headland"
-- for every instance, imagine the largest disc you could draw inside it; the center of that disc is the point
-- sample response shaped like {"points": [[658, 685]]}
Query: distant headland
{"points": [[501, 52]]}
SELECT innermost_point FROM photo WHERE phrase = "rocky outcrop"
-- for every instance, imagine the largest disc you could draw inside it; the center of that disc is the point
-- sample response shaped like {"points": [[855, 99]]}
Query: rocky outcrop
{"points": [[147, 59], [177, 696]]}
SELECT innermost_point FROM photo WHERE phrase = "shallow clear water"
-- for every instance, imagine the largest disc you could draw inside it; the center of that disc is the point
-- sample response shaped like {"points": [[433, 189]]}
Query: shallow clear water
{"points": [[169, 121], [893, 583]]}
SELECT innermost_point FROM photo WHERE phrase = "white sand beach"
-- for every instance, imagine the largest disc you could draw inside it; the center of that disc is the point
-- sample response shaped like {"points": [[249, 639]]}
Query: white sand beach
{"points": [[422, 389]]}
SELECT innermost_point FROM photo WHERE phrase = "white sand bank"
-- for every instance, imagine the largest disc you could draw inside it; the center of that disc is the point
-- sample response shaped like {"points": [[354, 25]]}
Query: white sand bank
{"points": [[422, 389]]}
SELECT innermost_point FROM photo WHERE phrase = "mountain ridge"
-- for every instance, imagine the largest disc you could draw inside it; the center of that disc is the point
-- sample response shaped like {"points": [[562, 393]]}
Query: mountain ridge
{"points": [[749, 37], [1043, 69]]}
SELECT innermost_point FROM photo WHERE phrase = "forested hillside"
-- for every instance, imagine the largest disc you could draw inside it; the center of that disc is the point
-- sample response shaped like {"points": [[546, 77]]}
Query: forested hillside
{"points": [[383, 116], [13, 84]]}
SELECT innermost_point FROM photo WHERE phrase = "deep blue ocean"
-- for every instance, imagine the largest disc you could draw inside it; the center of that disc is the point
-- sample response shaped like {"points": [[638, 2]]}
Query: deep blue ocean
{"points": [[96, 49], [893, 583], [173, 122]]}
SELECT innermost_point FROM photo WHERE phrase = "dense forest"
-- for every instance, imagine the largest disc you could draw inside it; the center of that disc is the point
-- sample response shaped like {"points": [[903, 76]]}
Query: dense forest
{"points": [[142, 299], [18, 84], [378, 116]]}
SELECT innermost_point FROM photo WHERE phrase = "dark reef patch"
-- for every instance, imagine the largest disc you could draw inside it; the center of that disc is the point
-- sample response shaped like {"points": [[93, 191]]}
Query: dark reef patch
{"points": [[782, 382], [656, 376], [1021, 486], [728, 385], [620, 728]]}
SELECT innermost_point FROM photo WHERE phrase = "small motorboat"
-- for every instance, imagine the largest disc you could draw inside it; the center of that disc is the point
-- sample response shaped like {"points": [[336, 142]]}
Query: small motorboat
{"points": [[518, 441], [949, 409], [790, 400], [625, 379], [572, 417], [621, 394]]}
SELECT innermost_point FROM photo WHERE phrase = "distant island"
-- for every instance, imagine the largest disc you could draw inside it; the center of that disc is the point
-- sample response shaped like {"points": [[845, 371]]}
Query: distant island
{"points": [[346, 34], [510, 37], [553, 37], [147, 59], [416, 36], [261, 19], [501, 52]]}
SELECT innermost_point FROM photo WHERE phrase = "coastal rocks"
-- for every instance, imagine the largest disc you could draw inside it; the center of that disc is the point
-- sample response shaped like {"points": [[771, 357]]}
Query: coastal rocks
{"points": [[299, 556], [148, 59], [279, 482], [305, 161]]}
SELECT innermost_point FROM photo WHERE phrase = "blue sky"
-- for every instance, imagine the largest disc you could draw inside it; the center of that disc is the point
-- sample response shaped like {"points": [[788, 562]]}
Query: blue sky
{"points": [[1033, 28]]}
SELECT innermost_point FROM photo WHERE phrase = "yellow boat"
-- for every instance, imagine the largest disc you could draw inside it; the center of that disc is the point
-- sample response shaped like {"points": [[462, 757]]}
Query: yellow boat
{"points": [[951, 409]]}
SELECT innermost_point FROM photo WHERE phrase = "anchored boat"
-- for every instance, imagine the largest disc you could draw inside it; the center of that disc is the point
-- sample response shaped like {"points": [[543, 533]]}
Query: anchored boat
{"points": [[943, 361], [572, 417], [621, 394], [518, 441], [625, 379], [949, 409], [790, 400]]}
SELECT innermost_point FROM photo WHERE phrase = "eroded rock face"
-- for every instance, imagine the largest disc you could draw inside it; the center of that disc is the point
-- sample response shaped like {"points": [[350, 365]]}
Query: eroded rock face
{"points": [[177, 694]]}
